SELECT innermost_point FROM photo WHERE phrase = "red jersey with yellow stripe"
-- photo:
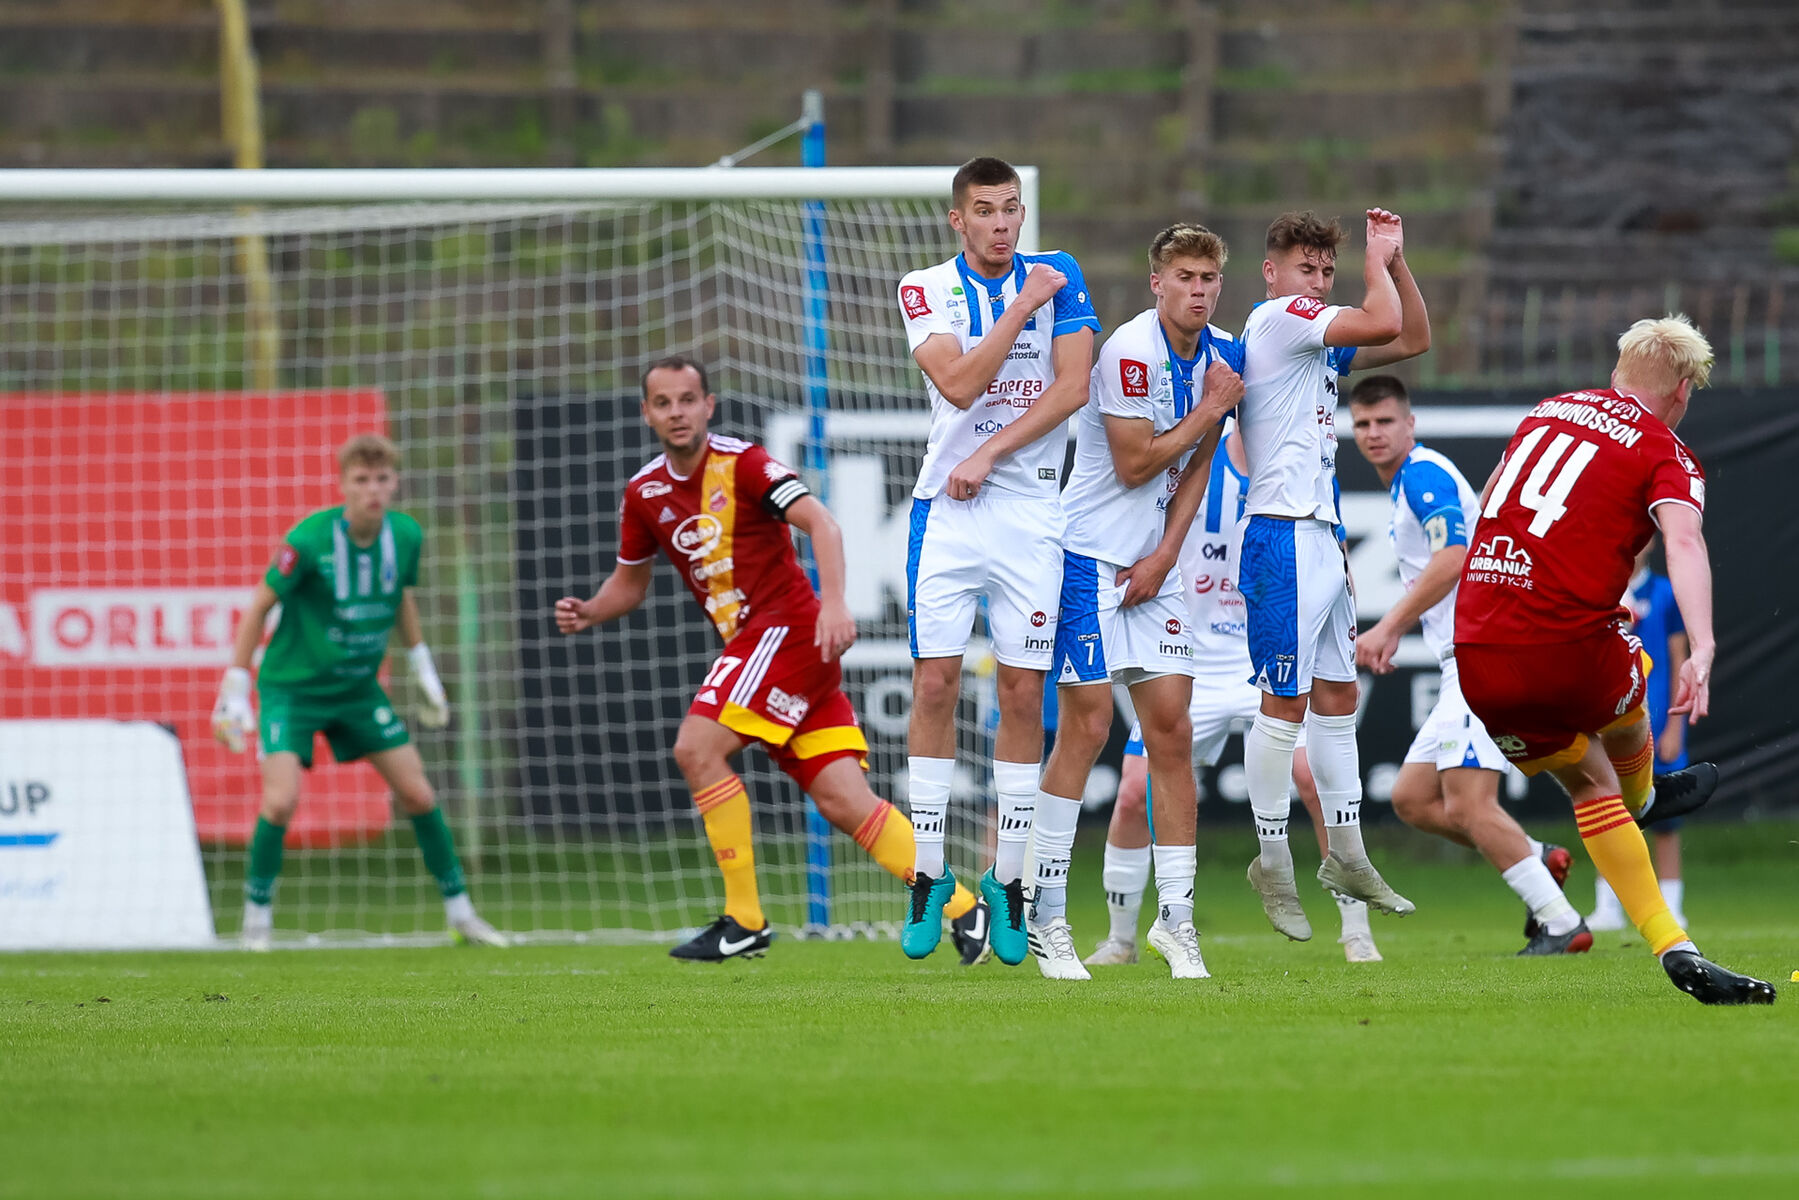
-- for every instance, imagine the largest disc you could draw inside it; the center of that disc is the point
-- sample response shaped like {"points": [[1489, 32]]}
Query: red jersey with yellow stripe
{"points": [[720, 528]]}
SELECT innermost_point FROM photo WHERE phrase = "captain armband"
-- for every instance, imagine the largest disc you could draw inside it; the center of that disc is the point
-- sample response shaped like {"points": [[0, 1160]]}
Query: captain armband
{"points": [[784, 495]]}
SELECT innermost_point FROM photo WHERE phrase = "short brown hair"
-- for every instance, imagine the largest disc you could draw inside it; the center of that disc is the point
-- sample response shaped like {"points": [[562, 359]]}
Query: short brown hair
{"points": [[1306, 229], [981, 172], [1372, 389], [1182, 240], [675, 362], [367, 450]]}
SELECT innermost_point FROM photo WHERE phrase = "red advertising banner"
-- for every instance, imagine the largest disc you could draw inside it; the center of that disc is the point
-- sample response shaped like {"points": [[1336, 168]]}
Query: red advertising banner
{"points": [[137, 526]]}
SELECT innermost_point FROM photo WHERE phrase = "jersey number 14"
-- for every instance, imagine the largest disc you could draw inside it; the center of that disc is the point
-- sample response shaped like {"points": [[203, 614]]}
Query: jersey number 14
{"points": [[1543, 495]]}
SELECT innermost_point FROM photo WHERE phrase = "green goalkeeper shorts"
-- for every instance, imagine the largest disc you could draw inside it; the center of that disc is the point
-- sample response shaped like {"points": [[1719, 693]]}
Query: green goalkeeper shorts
{"points": [[357, 723]]}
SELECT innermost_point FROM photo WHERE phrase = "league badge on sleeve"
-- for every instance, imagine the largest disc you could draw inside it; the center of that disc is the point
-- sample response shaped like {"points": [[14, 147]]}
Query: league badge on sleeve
{"points": [[287, 560], [1133, 378], [1305, 306], [912, 299]]}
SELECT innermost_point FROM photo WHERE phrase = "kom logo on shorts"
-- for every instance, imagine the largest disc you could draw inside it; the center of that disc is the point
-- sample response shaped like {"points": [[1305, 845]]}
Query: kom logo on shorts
{"points": [[1039, 619]]}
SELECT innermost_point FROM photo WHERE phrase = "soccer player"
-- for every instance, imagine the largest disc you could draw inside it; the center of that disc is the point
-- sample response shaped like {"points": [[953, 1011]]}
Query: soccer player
{"points": [[1224, 701], [343, 578], [1449, 783], [1294, 569], [1143, 449], [720, 510], [1655, 621], [1005, 341], [1545, 661]]}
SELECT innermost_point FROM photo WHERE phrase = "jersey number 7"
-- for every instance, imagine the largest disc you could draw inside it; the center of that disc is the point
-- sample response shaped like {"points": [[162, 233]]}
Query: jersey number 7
{"points": [[1542, 495]]}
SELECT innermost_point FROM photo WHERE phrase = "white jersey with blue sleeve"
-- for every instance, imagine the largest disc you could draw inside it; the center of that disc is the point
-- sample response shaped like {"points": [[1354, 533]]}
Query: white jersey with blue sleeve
{"points": [[1289, 410], [1433, 507], [951, 298], [1137, 375]]}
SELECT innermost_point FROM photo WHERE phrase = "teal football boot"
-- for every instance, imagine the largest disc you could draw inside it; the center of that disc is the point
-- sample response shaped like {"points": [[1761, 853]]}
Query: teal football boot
{"points": [[1006, 900], [924, 914]]}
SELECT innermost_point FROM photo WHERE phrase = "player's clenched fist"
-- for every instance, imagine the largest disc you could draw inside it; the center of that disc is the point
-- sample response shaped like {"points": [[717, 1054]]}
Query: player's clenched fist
{"points": [[1041, 285], [1223, 389], [572, 615], [232, 720]]}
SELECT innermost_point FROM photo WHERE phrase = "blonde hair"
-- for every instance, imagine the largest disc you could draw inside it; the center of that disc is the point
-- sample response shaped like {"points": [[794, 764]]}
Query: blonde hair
{"points": [[367, 450], [1186, 241], [1657, 353]]}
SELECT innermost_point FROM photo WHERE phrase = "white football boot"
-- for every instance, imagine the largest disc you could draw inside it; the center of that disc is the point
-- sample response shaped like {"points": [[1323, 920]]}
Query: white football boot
{"points": [[1053, 947], [1113, 952], [1179, 947], [1280, 900], [258, 933]]}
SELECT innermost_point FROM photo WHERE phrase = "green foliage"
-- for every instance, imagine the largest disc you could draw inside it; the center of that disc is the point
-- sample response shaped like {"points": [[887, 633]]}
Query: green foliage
{"points": [[1265, 77], [375, 134], [1786, 244]]}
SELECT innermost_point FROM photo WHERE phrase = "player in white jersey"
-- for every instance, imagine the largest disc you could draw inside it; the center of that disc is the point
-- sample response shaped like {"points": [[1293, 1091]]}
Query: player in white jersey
{"points": [[1005, 341], [1294, 573], [1224, 702], [1449, 784], [1143, 450]]}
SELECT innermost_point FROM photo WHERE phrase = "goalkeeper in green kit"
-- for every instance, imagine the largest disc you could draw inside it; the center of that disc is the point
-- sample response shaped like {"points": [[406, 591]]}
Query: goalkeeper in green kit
{"points": [[341, 577]]}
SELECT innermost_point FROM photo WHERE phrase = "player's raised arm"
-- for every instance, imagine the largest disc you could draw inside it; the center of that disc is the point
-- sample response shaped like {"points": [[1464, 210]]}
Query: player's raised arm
{"points": [[1072, 356], [836, 628], [1139, 453], [1380, 319], [962, 376], [232, 718], [1690, 572], [621, 593], [1414, 317]]}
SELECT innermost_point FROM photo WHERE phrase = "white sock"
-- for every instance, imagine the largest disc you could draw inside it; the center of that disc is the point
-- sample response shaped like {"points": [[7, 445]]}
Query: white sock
{"points": [[1268, 772], [1604, 899], [1536, 887], [927, 796], [1331, 749], [1016, 784], [1674, 891], [1688, 946], [1053, 827], [458, 908], [1354, 914], [1126, 876], [1175, 868], [1536, 847], [258, 916]]}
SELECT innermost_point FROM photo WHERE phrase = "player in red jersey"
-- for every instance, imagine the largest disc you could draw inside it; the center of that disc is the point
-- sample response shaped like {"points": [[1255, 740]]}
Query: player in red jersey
{"points": [[1546, 660], [721, 509]]}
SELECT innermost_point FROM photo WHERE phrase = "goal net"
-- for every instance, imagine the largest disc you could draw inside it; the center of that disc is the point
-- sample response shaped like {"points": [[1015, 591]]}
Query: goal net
{"points": [[176, 375]]}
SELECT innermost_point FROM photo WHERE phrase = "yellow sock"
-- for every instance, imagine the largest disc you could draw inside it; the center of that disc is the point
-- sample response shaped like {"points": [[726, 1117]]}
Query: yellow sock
{"points": [[888, 838], [725, 808], [1636, 774], [1617, 848]]}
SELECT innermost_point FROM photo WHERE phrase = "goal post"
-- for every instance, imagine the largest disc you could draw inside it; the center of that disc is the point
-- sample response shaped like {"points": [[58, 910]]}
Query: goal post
{"points": [[494, 322]]}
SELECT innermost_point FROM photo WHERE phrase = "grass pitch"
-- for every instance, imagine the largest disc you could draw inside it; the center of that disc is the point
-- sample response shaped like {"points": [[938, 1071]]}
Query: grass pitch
{"points": [[844, 1070]]}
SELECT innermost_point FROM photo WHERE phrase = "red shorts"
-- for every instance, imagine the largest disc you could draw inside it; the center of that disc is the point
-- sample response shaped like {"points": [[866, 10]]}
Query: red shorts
{"points": [[1541, 703], [770, 686]]}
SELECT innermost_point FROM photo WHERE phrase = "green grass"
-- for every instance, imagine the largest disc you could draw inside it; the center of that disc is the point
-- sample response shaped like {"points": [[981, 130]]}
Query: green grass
{"points": [[840, 1069]]}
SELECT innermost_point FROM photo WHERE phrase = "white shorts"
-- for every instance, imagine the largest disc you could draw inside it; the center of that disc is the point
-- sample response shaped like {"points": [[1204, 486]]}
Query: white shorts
{"points": [[1004, 548], [1222, 705], [1452, 736], [1301, 613], [1099, 641]]}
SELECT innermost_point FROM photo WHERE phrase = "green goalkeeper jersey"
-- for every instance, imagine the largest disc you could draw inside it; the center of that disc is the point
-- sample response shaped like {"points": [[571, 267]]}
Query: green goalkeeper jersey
{"points": [[339, 601]]}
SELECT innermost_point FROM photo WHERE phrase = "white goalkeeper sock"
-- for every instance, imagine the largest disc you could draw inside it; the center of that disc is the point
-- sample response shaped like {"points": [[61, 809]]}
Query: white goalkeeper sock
{"points": [[1268, 772], [1126, 876], [928, 782]]}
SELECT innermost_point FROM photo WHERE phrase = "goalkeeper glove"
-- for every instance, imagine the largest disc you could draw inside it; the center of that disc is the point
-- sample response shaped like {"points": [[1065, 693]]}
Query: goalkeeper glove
{"points": [[232, 720], [435, 713]]}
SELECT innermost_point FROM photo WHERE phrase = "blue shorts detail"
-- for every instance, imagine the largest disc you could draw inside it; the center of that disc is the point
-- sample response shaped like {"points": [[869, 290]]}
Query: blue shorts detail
{"points": [[1077, 628], [1268, 577], [921, 513]]}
